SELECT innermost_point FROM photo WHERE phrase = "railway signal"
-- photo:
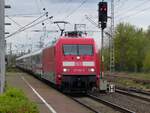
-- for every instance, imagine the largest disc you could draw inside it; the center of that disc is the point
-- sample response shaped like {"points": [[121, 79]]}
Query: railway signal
{"points": [[102, 23], [102, 14], [103, 11]]}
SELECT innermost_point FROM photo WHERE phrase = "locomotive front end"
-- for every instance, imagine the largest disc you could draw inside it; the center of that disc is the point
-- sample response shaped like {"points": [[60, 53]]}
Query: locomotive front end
{"points": [[79, 69]]}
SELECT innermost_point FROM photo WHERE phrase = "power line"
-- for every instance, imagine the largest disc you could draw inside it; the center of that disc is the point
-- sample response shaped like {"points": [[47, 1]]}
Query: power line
{"points": [[120, 3], [29, 27], [24, 15], [91, 21], [13, 21], [133, 14], [133, 8], [69, 8], [60, 9], [42, 3], [72, 12], [26, 25]]}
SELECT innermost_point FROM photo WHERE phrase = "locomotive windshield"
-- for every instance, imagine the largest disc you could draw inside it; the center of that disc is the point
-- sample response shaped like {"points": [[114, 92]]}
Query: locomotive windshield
{"points": [[78, 49]]}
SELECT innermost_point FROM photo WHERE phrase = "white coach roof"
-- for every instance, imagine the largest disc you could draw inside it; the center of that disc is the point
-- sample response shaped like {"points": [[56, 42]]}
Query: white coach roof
{"points": [[30, 54]]}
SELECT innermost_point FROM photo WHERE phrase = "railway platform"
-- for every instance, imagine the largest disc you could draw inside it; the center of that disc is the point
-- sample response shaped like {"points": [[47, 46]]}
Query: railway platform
{"points": [[48, 99]]}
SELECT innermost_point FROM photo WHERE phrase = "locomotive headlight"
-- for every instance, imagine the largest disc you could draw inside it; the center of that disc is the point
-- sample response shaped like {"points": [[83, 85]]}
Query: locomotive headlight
{"points": [[59, 76], [92, 69], [64, 70], [78, 57]]}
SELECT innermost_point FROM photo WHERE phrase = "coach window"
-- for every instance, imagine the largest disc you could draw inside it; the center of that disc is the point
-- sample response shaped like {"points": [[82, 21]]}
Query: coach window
{"points": [[38, 59]]}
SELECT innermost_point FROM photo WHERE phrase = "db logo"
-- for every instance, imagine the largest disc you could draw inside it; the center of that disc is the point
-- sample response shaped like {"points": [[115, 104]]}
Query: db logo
{"points": [[78, 63]]}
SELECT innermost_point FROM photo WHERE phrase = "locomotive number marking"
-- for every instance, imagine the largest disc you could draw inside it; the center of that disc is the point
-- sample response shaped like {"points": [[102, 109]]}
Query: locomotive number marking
{"points": [[78, 64]]}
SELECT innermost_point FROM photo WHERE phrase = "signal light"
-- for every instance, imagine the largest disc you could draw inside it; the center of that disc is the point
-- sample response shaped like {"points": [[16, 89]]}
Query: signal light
{"points": [[102, 12]]}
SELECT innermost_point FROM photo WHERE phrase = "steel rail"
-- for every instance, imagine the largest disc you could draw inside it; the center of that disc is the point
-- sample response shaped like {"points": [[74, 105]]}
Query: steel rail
{"points": [[114, 106], [140, 91], [134, 90], [132, 95], [85, 105]]}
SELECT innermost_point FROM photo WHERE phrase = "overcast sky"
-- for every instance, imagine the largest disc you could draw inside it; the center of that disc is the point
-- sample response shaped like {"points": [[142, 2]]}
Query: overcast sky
{"points": [[136, 12]]}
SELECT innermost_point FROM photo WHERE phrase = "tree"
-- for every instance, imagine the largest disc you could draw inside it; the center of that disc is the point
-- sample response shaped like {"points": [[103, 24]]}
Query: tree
{"points": [[129, 47], [146, 63]]}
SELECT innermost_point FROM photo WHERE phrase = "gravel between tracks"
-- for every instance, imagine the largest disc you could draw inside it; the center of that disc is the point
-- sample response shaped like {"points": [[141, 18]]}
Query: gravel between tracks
{"points": [[134, 104], [97, 105]]}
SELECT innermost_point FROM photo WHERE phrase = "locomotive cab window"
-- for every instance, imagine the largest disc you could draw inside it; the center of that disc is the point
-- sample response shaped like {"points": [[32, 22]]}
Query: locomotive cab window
{"points": [[70, 49], [85, 49], [78, 49]]}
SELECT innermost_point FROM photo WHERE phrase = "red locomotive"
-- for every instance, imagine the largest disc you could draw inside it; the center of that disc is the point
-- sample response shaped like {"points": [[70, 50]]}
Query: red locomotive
{"points": [[72, 63]]}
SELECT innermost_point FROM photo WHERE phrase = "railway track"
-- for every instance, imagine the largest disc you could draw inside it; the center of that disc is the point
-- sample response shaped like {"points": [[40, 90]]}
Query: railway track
{"points": [[112, 105], [134, 90], [136, 94], [85, 105], [98, 105], [140, 91]]}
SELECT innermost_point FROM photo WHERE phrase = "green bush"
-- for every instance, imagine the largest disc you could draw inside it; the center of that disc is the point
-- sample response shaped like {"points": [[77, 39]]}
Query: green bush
{"points": [[12, 69], [15, 101]]}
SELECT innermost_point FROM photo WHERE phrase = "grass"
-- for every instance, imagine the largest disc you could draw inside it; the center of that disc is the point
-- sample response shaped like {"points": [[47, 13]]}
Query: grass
{"points": [[140, 75], [15, 101], [131, 83], [12, 69]]}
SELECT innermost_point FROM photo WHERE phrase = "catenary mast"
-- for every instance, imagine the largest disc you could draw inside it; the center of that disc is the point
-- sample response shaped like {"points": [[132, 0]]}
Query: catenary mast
{"points": [[2, 48]]}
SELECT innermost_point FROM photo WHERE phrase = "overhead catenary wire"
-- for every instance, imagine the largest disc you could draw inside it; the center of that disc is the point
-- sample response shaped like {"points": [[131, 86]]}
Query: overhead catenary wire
{"points": [[14, 21], [60, 9], [70, 1], [133, 14], [117, 3], [37, 23], [25, 15], [26, 25], [30, 26], [120, 3], [35, 20], [133, 8], [91, 21], [72, 12]]}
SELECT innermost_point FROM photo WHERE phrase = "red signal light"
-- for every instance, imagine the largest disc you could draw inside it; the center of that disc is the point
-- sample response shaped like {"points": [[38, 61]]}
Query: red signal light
{"points": [[102, 14], [104, 8], [102, 11]]}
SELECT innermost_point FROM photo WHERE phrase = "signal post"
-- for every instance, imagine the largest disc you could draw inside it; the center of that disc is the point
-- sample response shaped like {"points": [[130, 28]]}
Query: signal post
{"points": [[102, 23]]}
